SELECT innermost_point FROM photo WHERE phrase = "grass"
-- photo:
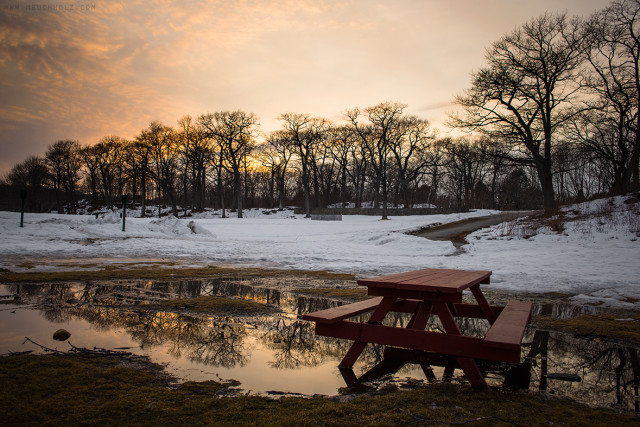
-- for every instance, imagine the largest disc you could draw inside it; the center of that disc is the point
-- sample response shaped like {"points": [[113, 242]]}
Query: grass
{"points": [[62, 390], [217, 305], [337, 293], [602, 325], [157, 272]]}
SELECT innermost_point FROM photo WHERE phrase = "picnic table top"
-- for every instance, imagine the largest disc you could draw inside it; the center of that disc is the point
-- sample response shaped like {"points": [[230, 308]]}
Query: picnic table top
{"points": [[429, 280]]}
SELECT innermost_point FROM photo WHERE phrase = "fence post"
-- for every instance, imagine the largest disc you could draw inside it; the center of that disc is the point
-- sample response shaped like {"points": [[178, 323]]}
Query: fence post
{"points": [[23, 196], [124, 210]]}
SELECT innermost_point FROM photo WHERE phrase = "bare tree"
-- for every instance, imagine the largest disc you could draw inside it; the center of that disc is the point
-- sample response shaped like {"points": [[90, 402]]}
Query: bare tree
{"points": [[466, 161], [234, 131], [108, 155], [160, 141], [381, 130], [194, 151], [132, 169], [305, 132], [142, 154], [614, 52], [343, 144], [528, 90], [277, 156], [64, 161], [407, 150], [31, 175]]}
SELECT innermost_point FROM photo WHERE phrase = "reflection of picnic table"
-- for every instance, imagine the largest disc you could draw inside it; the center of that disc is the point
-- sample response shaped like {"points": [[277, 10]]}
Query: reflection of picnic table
{"points": [[423, 293]]}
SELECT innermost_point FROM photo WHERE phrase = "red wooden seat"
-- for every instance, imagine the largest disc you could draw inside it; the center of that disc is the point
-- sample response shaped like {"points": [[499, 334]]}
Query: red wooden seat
{"points": [[336, 314], [508, 329]]}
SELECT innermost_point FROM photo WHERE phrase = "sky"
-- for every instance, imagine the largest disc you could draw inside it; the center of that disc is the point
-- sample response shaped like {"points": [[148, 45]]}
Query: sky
{"points": [[85, 69]]}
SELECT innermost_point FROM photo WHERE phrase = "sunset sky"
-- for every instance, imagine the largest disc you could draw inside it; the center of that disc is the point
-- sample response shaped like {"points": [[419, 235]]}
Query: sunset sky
{"points": [[86, 69]]}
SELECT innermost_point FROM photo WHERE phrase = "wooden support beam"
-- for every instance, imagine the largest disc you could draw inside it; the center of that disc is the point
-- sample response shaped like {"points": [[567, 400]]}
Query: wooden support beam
{"points": [[437, 342]]}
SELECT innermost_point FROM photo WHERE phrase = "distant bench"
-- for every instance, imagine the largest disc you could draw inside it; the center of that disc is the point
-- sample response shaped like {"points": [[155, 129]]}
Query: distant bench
{"points": [[326, 217]]}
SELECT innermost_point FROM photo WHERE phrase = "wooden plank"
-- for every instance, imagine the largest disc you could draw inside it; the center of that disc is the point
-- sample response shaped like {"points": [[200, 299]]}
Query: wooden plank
{"points": [[456, 282], [429, 280], [508, 329], [332, 315], [437, 342], [417, 294], [396, 278], [409, 274]]}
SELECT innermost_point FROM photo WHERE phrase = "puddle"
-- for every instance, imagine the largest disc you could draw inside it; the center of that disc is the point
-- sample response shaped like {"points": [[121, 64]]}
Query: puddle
{"points": [[279, 353]]}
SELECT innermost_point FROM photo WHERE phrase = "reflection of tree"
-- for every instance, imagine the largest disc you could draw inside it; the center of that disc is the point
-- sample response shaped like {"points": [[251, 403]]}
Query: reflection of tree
{"points": [[295, 344], [559, 310], [211, 342], [305, 305], [53, 307], [222, 347], [609, 372]]}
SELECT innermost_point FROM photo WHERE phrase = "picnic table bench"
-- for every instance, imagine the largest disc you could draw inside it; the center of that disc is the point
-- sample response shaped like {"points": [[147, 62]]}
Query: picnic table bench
{"points": [[424, 293]]}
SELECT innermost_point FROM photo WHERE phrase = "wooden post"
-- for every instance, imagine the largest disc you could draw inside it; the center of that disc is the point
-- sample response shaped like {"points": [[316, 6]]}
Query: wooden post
{"points": [[23, 196], [124, 210]]}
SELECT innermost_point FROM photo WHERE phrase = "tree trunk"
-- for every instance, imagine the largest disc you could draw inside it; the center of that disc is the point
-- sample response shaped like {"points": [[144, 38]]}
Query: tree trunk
{"points": [[634, 164], [143, 192], [384, 199], [237, 183], [546, 183], [305, 187], [281, 191]]}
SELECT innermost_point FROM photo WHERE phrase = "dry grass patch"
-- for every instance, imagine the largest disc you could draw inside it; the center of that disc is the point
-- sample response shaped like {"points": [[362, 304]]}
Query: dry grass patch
{"points": [[62, 390], [159, 272]]}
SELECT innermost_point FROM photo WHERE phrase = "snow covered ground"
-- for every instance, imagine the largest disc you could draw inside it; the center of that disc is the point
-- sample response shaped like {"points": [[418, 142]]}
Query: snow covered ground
{"points": [[597, 259]]}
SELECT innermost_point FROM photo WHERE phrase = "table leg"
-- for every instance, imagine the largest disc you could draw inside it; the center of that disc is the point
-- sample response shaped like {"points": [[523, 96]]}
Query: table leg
{"points": [[468, 365], [419, 321], [421, 316], [352, 355], [358, 346], [484, 305], [424, 364]]}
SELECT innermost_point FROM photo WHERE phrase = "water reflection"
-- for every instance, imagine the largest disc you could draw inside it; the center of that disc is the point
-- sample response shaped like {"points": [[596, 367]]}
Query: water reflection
{"points": [[600, 373], [290, 351]]}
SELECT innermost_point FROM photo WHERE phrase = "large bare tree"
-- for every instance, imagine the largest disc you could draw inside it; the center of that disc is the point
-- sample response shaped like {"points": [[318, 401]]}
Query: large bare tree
{"points": [[611, 130], [529, 89]]}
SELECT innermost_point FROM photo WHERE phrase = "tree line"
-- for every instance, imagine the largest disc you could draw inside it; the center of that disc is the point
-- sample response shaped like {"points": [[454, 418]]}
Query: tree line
{"points": [[552, 118]]}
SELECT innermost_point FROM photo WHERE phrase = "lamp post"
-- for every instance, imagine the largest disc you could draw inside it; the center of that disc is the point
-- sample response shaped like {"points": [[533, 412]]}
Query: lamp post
{"points": [[23, 196], [124, 210]]}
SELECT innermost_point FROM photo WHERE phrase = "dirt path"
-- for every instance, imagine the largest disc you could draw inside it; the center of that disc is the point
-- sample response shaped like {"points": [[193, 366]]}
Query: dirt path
{"points": [[457, 231]]}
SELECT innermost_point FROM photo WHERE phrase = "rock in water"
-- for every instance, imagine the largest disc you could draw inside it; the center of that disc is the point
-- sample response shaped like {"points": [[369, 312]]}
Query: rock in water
{"points": [[61, 335]]}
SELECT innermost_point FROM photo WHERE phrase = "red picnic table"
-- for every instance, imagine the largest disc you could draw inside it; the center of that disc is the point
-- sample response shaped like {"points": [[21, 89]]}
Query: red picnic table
{"points": [[424, 293]]}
